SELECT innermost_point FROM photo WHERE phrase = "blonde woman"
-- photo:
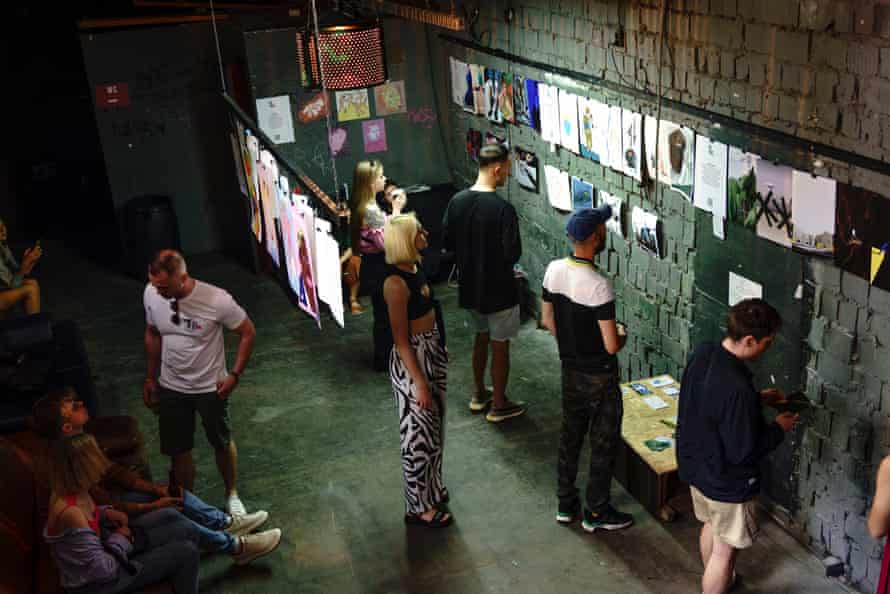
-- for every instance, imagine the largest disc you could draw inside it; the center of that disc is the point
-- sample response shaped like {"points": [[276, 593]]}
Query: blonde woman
{"points": [[366, 234], [418, 369]]}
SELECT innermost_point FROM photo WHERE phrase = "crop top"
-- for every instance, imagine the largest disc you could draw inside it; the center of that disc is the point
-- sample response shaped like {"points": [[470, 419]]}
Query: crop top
{"points": [[418, 303]]}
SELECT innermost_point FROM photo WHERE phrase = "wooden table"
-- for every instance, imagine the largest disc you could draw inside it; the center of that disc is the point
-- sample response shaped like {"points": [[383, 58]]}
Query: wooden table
{"points": [[650, 476]]}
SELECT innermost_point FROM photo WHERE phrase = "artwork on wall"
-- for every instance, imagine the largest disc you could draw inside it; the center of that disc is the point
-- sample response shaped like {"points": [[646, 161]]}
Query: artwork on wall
{"points": [[862, 234], [352, 105], [741, 288], [525, 102], [675, 154], [593, 124], [304, 248], [492, 138], [477, 76], [327, 258], [239, 164], [631, 143], [582, 194], [492, 94], [559, 190], [287, 218], [505, 98], [645, 228], [741, 187], [338, 140], [774, 198], [474, 143], [314, 109], [389, 98], [614, 224], [251, 167], [374, 135], [526, 170], [274, 118], [460, 79], [550, 123], [812, 214], [710, 175], [568, 114], [269, 201]]}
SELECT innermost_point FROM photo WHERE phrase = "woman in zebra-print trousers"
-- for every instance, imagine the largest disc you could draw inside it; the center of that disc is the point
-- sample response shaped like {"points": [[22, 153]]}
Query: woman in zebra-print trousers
{"points": [[418, 368]]}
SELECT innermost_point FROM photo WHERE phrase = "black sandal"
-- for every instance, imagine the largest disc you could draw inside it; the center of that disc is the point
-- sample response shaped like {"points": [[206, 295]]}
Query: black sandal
{"points": [[437, 521]]}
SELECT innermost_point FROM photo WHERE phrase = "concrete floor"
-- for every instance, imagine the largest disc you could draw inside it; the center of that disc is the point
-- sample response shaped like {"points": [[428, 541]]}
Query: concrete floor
{"points": [[316, 431]]}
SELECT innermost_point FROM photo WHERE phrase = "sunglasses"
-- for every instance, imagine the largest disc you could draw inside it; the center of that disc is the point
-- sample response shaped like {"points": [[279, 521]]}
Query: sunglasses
{"points": [[174, 305]]}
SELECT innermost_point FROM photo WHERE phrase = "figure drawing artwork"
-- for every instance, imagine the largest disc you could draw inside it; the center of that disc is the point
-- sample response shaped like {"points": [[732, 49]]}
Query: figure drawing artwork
{"points": [[593, 118], [582, 194], [526, 170]]}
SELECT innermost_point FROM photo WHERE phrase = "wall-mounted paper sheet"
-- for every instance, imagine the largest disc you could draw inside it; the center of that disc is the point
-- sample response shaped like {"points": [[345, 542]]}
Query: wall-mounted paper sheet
{"points": [[568, 114], [329, 277], [742, 288], [582, 194], [710, 175], [614, 135], [614, 224], [275, 119], [632, 143], [645, 228], [558, 188], [593, 125], [814, 204], [548, 98]]}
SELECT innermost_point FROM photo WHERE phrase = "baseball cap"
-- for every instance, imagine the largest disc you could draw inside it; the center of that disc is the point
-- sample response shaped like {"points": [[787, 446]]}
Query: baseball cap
{"points": [[584, 222]]}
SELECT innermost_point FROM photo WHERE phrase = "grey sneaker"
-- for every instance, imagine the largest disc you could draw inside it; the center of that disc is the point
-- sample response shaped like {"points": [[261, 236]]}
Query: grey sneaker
{"points": [[247, 523], [508, 411], [234, 507], [257, 545], [479, 402]]}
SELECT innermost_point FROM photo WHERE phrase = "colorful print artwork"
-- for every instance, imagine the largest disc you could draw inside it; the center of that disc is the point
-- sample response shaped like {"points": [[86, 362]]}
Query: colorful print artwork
{"points": [[389, 98], [353, 105]]}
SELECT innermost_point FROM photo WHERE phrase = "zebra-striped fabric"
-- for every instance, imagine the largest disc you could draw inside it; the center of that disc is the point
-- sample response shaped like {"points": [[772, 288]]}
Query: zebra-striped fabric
{"points": [[422, 431]]}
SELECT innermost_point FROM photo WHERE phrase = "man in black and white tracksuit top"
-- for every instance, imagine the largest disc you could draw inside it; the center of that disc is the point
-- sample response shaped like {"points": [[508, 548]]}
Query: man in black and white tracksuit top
{"points": [[578, 308]]}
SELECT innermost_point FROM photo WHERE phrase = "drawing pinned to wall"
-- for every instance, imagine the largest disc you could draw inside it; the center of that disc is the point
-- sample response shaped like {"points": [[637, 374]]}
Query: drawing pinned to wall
{"points": [[314, 109], [492, 95], [275, 119], [459, 78], [505, 98], [568, 126], [862, 234], [675, 153], [338, 141], [813, 213], [477, 76], [559, 191], [631, 143], [710, 175], [389, 98], [645, 228], [593, 119], [374, 135], [327, 258], [474, 144], [352, 105], [526, 170], [548, 98], [251, 165], [614, 224], [774, 198], [525, 102], [269, 201], [307, 296], [741, 186], [614, 140], [741, 288], [582, 194]]}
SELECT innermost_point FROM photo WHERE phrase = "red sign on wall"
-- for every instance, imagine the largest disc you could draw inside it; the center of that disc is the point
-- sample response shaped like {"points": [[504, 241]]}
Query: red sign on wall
{"points": [[113, 95]]}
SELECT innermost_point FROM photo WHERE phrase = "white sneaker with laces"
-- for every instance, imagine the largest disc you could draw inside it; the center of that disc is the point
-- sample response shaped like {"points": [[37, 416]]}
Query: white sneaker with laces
{"points": [[234, 507], [246, 523], [257, 545]]}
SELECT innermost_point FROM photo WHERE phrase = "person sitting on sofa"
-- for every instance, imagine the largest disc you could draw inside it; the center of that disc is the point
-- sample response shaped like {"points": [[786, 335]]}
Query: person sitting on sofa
{"points": [[15, 287], [59, 415]]}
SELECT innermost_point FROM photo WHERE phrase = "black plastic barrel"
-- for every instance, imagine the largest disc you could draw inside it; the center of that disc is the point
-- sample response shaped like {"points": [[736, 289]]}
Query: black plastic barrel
{"points": [[149, 225]]}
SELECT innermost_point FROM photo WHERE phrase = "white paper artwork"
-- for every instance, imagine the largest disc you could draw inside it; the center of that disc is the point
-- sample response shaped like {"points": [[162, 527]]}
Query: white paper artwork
{"points": [[614, 223], [742, 288], [710, 175], [275, 118], [676, 154], [593, 118], [615, 160], [813, 203], [632, 143], [558, 188], [568, 114], [550, 125], [328, 266], [458, 81]]}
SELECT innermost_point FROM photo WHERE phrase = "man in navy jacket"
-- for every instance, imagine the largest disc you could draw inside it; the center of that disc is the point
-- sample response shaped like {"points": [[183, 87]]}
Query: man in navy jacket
{"points": [[722, 437]]}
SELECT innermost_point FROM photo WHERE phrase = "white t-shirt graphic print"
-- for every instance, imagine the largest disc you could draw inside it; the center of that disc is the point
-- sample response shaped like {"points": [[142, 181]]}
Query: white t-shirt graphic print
{"points": [[193, 355]]}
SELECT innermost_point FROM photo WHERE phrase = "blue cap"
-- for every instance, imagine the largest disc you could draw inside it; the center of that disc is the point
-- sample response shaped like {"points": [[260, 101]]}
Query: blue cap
{"points": [[584, 222]]}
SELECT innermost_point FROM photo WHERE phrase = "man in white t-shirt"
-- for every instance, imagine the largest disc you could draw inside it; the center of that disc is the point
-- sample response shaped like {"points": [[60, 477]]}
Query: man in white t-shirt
{"points": [[184, 320]]}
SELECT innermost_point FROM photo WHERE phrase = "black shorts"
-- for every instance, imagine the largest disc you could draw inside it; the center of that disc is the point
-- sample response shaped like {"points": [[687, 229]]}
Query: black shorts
{"points": [[176, 420]]}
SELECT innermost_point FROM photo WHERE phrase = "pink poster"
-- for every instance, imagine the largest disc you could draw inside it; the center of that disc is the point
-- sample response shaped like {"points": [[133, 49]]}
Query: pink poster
{"points": [[269, 200], [374, 133], [298, 235]]}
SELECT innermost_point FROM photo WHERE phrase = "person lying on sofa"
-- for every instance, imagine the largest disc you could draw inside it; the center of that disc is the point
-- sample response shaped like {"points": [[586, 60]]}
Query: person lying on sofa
{"points": [[59, 415]]}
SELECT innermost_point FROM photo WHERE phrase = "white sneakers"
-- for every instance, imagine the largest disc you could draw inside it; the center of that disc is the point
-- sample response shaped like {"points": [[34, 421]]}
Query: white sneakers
{"points": [[247, 523], [257, 545]]}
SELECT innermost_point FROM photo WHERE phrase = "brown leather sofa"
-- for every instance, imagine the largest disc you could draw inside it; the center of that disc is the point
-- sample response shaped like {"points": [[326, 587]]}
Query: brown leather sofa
{"points": [[25, 562]]}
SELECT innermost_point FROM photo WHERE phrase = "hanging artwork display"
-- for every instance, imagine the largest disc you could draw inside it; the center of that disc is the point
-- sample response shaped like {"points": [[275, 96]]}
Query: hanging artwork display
{"points": [[568, 115], [675, 154], [314, 109], [550, 123], [614, 224], [477, 76], [352, 105], [474, 144], [631, 143], [593, 118], [862, 234], [645, 228], [374, 135], [269, 201], [614, 140], [275, 119], [251, 167], [338, 141], [710, 175], [582, 194], [741, 187], [526, 170], [287, 219], [492, 94], [505, 98], [328, 265], [812, 213], [389, 98], [774, 202], [239, 166], [306, 289], [559, 190], [525, 102], [458, 81]]}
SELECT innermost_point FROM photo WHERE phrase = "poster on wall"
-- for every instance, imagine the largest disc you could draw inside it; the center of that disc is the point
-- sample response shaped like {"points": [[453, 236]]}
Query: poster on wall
{"points": [[374, 135], [287, 219], [710, 175], [459, 78], [559, 191], [492, 95], [389, 98], [306, 289], [477, 75], [645, 228], [582, 194], [741, 288], [774, 198], [614, 223], [474, 144], [614, 140], [862, 234], [568, 114], [526, 170], [251, 166], [550, 123], [338, 141], [275, 119], [352, 105], [631, 143], [593, 123], [813, 213], [505, 98], [328, 265], [314, 109], [269, 201], [741, 188], [529, 112], [675, 154]]}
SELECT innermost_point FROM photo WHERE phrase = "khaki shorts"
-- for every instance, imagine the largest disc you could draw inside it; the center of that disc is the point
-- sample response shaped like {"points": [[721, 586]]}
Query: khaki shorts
{"points": [[733, 523]]}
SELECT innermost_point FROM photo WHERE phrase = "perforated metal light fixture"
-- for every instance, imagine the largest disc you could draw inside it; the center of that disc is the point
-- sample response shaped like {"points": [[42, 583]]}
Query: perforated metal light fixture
{"points": [[351, 56]]}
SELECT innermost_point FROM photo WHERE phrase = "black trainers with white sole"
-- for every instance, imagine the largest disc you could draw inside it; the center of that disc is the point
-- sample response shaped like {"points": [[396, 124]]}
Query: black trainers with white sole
{"points": [[607, 519]]}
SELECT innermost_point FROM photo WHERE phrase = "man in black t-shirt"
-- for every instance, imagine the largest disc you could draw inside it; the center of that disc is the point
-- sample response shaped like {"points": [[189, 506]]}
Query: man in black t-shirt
{"points": [[482, 229], [578, 307]]}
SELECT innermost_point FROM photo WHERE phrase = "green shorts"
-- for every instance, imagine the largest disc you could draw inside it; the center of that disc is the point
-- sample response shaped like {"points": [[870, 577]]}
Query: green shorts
{"points": [[176, 419]]}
